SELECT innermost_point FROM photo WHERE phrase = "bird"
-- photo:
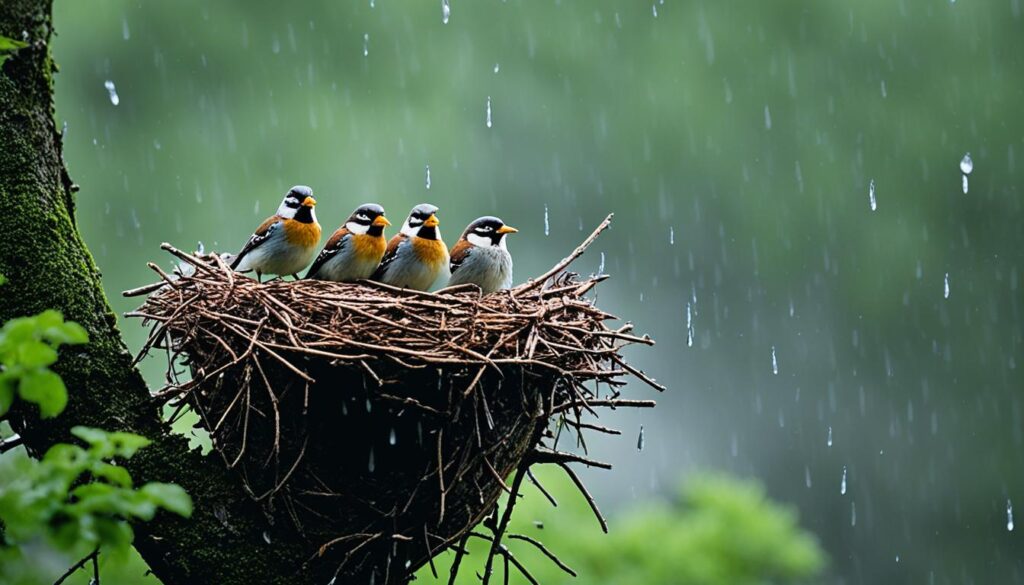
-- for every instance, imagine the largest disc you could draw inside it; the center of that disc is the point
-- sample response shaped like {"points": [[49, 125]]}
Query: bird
{"points": [[355, 250], [286, 241], [416, 256], [481, 255]]}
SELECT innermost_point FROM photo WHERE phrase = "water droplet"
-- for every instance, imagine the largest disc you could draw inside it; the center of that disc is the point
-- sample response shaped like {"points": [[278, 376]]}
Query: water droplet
{"points": [[600, 266], [371, 465], [775, 363], [966, 164], [842, 484], [689, 324], [112, 92], [372, 3], [871, 195], [266, 537], [392, 438], [344, 408], [1009, 515], [654, 9], [366, 44], [767, 118], [828, 441], [671, 236], [884, 92], [807, 476], [964, 183], [945, 286], [428, 177], [446, 11], [489, 111], [125, 32], [369, 405], [853, 513], [497, 67], [547, 224], [640, 439]]}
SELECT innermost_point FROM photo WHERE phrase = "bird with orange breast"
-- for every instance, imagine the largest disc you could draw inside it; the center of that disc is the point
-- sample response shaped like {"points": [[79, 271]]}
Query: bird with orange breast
{"points": [[417, 256], [355, 250], [481, 256], [286, 241]]}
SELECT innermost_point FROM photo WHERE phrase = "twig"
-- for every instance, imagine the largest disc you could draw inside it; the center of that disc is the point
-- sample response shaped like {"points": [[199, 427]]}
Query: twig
{"points": [[10, 443], [79, 565], [544, 550], [517, 482], [536, 282]]}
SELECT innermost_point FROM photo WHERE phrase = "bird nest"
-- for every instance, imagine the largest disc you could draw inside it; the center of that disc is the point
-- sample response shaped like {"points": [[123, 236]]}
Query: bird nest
{"points": [[387, 423]]}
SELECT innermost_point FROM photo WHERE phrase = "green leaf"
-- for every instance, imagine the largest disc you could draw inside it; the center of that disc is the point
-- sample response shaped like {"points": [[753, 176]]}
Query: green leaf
{"points": [[46, 389], [36, 354], [90, 435], [126, 444], [9, 44], [6, 392], [169, 496], [3, 279], [113, 474]]}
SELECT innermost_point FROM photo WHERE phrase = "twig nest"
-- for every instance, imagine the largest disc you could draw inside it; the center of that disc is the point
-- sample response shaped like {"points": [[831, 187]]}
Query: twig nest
{"points": [[382, 422]]}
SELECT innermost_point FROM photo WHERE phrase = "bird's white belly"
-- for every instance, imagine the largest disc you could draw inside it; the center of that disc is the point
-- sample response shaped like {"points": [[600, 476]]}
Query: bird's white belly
{"points": [[489, 268], [346, 267], [276, 256]]}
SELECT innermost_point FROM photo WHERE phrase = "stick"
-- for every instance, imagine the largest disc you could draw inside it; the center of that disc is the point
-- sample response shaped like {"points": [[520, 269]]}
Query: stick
{"points": [[536, 282]]}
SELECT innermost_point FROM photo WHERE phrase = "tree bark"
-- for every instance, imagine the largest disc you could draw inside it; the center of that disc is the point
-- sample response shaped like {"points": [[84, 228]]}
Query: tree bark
{"points": [[229, 540]]}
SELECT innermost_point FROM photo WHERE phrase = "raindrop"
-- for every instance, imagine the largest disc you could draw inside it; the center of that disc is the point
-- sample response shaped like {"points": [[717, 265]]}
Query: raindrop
{"points": [[344, 408], [828, 441], [884, 92], [964, 183], [871, 195], [446, 11], [371, 465], [392, 437], [945, 286], [775, 363], [640, 439], [497, 67], [1009, 515], [547, 225], [654, 9], [853, 513], [366, 44], [671, 236], [600, 266], [842, 484], [372, 4], [266, 537], [689, 324], [767, 118], [428, 177], [488, 111], [369, 406], [807, 476], [112, 91], [125, 32], [966, 164]]}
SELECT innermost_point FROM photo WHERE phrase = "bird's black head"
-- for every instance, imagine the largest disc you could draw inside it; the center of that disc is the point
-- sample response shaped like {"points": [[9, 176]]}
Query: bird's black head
{"points": [[298, 204], [368, 219], [487, 231]]}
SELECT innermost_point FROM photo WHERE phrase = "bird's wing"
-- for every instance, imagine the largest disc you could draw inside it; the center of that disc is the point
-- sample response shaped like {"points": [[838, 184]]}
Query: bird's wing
{"points": [[339, 240], [389, 255], [262, 234], [459, 254]]}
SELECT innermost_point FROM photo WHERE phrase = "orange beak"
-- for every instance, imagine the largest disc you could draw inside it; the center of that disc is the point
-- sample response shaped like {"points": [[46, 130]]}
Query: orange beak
{"points": [[309, 202], [381, 221], [432, 221], [507, 229]]}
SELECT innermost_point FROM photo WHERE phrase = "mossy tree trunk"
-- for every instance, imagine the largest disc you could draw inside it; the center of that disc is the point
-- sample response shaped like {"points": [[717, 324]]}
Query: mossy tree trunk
{"points": [[48, 266]]}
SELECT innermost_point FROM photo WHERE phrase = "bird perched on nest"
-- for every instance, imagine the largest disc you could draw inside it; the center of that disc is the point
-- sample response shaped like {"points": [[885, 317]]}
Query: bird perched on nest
{"points": [[481, 256], [355, 250], [417, 255], [286, 241]]}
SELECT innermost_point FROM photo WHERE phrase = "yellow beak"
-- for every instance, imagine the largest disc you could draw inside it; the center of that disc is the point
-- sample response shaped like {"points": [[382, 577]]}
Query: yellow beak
{"points": [[507, 229], [309, 202], [381, 221], [432, 221]]}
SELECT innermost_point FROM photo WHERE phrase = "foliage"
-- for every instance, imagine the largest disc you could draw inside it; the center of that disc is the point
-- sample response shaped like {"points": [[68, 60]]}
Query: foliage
{"points": [[717, 531], [28, 347], [8, 47]]}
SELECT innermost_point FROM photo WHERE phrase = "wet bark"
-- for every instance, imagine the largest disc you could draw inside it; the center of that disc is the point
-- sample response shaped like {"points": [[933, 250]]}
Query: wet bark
{"points": [[228, 540]]}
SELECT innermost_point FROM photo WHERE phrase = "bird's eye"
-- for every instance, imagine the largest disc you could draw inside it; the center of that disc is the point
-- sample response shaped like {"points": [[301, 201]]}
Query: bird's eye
{"points": [[363, 217], [484, 229]]}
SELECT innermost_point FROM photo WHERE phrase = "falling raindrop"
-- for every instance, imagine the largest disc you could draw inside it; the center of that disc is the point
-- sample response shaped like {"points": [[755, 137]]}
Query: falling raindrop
{"points": [[371, 465], [853, 513], [689, 325], [767, 118], [828, 441], [497, 67], [547, 225], [775, 363], [640, 439], [671, 236], [600, 266], [369, 406], [966, 164], [428, 177], [842, 484], [654, 9], [125, 32], [807, 476], [112, 91], [945, 286], [366, 44], [392, 437], [871, 195], [1009, 515], [446, 11], [488, 111], [964, 183]]}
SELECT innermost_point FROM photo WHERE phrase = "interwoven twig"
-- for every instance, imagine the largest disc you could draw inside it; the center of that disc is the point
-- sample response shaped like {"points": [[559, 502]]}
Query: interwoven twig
{"points": [[279, 369]]}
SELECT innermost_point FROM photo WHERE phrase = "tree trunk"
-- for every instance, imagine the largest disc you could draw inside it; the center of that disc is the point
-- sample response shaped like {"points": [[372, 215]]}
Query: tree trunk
{"points": [[229, 540]]}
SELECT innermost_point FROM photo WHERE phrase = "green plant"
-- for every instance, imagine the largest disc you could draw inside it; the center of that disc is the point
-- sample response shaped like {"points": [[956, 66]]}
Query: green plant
{"points": [[28, 347]]}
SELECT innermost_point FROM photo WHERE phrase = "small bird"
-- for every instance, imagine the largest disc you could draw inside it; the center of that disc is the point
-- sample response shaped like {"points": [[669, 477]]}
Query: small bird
{"points": [[481, 256], [417, 255], [356, 248], [286, 241]]}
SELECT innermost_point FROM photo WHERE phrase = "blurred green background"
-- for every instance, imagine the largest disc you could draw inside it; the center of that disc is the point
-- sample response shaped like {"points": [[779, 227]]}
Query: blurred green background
{"points": [[736, 143]]}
